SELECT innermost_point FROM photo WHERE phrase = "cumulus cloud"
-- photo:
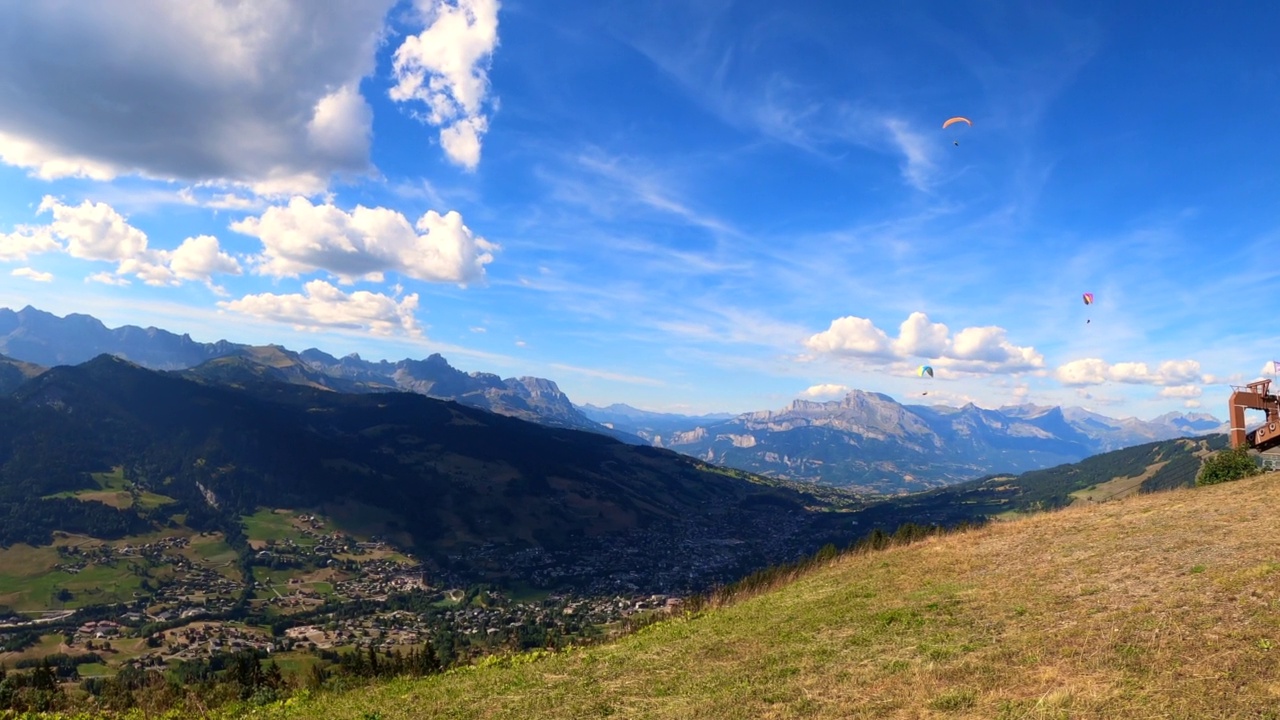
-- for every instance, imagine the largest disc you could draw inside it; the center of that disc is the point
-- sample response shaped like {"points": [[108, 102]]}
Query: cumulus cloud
{"points": [[1086, 371], [973, 349], [921, 338], [93, 231], [825, 390], [96, 231], [1095, 371], [32, 274], [1191, 404], [446, 67], [24, 241], [1181, 391], [198, 258], [324, 306], [366, 242], [260, 93], [853, 336]]}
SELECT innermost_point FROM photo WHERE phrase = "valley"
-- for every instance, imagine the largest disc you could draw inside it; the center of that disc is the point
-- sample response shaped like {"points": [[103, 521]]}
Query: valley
{"points": [[299, 515]]}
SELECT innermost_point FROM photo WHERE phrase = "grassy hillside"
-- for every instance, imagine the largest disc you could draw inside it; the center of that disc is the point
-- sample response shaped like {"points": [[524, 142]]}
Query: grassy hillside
{"points": [[1151, 467], [1158, 605]]}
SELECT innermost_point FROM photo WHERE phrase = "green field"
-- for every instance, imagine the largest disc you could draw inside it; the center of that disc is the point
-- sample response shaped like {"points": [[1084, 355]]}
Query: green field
{"points": [[29, 582], [114, 490], [274, 525]]}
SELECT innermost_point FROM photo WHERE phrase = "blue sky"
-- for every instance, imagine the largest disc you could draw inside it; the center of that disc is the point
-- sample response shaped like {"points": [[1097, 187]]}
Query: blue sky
{"points": [[711, 206]]}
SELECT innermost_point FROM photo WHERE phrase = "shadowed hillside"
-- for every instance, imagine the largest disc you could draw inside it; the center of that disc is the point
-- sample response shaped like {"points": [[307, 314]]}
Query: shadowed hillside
{"points": [[1160, 605], [468, 489]]}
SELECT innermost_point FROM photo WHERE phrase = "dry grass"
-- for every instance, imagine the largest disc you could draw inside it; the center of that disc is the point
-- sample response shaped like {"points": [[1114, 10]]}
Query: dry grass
{"points": [[1116, 488]]}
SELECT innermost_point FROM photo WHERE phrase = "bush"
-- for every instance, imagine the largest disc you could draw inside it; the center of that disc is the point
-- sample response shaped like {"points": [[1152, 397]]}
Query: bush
{"points": [[1226, 465]]}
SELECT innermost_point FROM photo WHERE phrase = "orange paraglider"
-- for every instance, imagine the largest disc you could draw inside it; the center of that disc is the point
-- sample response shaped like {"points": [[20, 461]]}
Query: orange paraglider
{"points": [[953, 121]]}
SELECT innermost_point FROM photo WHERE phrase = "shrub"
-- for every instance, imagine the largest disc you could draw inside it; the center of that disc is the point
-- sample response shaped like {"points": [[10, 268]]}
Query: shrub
{"points": [[1226, 465]]}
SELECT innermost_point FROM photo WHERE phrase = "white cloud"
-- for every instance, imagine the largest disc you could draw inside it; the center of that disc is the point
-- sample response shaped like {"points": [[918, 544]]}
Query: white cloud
{"points": [[198, 258], [258, 93], [96, 231], [825, 390], [972, 350], [1086, 371], [446, 67], [1191, 403], [150, 269], [26, 241], [219, 201], [987, 349], [478, 329], [521, 343], [1095, 371], [342, 126], [301, 237], [32, 274], [461, 141], [920, 338], [1181, 391], [325, 306], [918, 168], [853, 336], [1269, 368], [107, 278]]}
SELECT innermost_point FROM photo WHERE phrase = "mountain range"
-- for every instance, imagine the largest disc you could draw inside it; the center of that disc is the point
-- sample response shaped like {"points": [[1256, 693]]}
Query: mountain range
{"points": [[469, 490], [866, 440], [41, 338], [870, 441]]}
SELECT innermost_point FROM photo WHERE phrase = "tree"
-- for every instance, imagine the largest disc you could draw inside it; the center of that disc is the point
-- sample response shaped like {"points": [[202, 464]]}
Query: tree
{"points": [[1226, 465]]}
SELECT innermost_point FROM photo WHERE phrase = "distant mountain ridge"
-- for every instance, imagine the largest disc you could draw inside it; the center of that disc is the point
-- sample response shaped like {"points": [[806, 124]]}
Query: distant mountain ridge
{"points": [[644, 423], [38, 337], [869, 440]]}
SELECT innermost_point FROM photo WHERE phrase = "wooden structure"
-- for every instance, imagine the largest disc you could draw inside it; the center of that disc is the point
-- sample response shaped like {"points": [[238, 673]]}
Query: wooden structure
{"points": [[1255, 396]]}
